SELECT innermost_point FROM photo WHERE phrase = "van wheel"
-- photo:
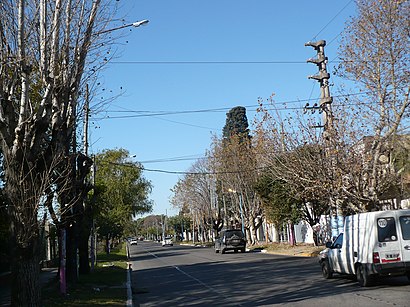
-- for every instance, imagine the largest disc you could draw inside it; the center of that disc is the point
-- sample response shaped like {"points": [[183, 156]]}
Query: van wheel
{"points": [[363, 278], [222, 251], [326, 270]]}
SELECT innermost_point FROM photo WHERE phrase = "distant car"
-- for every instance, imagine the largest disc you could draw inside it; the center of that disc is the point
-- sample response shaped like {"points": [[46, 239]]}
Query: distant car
{"points": [[230, 239], [167, 241], [133, 242], [141, 238]]}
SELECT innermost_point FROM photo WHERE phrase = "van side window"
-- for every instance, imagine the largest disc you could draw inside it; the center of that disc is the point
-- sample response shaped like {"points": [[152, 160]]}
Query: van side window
{"points": [[386, 229], [405, 227], [338, 242]]}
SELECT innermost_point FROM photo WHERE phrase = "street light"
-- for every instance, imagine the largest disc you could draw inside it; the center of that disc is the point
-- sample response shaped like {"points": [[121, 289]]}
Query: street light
{"points": [[134, 24], [240, 207], [85, 138]]}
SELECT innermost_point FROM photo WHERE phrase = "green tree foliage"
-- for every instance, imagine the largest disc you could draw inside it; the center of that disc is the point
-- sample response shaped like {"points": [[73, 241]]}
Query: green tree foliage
{"points": [[121, 193], [277, 200], [235, 163], [180, 224], [236, 123]]}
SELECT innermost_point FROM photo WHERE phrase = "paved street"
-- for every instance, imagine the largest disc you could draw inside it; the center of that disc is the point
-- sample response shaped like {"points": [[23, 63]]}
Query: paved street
{"points": [[189, 276]]}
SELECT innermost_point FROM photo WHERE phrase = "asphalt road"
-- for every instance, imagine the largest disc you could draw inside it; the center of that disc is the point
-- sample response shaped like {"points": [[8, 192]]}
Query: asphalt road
{"points": [[195, 276]]}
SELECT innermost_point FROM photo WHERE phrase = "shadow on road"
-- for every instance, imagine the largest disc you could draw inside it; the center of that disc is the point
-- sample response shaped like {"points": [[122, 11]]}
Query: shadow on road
{"points": [[238, 280]]}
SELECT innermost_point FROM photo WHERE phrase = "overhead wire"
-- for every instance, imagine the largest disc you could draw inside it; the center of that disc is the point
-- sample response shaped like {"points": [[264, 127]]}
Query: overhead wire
{"points": [[224, 109], [161, 113], [331, 20]]}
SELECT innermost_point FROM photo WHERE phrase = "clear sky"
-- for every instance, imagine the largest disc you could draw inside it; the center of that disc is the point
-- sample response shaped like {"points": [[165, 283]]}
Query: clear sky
{"points": [[207, 56]]}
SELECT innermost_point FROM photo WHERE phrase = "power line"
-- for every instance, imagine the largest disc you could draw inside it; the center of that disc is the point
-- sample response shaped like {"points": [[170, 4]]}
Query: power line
{"points": [[131, 164], [175, 159], [206, 62], [331, 20], [165, 113]]}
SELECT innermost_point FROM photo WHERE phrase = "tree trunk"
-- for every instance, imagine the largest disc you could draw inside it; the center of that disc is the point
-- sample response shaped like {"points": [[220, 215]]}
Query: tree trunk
{"points": [[276, 237], [292, 238], [84, 263], [71, 250], [107, 244], [25, 269]]}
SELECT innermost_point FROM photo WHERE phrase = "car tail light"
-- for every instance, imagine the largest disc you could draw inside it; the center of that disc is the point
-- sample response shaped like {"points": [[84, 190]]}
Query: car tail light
{"points": [[376, 257]]}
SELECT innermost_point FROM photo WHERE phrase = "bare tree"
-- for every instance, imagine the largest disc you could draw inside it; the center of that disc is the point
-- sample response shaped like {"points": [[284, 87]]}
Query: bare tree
{"points": [[44, 50], [375, 55], [196, 194], [235, 165]]}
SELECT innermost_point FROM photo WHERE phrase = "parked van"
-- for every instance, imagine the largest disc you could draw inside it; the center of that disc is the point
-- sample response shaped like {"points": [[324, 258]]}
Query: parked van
{"points": [[372, 244]]}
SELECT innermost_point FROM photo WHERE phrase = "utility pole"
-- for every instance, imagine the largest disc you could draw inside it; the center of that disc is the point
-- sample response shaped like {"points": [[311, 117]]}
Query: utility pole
{"points": [[86, 115], [325, 108], [323, 78], [85, 151]]}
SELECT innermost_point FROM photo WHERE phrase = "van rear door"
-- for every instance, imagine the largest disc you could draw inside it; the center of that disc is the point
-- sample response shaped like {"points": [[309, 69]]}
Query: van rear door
{"points": [[404, 221], [389, 244]]}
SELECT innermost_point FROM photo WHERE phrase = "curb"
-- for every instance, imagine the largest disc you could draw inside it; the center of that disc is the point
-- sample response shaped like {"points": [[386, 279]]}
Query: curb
{"points": [[129, 290], [301, 254]]}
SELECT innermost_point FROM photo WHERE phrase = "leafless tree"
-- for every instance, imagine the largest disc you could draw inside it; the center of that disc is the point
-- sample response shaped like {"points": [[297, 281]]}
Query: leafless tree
{"points": [[375, 56], [196, 193], [45, 48], [236, 168]]}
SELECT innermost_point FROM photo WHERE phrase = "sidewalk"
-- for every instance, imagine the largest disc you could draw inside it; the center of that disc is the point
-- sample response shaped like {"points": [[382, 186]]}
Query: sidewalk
{"points": [[46, 275]]}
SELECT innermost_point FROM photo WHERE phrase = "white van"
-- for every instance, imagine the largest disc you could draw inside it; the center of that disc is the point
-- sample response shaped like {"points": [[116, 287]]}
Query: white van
{"points": [[372, 244]]}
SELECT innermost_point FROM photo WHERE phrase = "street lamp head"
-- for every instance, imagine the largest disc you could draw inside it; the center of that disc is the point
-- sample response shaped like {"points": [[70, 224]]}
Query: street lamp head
{"points": [[140, 23], [231, 190], [134, 24]]}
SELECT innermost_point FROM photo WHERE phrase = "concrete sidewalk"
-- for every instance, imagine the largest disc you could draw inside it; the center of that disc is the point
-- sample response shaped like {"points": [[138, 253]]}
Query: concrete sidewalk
{"points": [[46, 275]]}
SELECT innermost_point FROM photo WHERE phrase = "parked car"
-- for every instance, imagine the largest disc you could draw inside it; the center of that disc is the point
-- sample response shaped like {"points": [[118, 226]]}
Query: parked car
{"points": [[230, 239], [133, 241], [372, 244], [167, 241]]}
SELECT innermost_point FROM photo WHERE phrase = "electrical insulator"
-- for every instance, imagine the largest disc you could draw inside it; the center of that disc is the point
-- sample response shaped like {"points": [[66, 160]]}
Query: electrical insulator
{"points": [[317, 44], [322, 75], [319, 60]]}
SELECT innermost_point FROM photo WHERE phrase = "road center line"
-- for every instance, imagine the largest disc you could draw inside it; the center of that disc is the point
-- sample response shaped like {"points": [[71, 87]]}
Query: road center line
{"points": [[191, 277]]}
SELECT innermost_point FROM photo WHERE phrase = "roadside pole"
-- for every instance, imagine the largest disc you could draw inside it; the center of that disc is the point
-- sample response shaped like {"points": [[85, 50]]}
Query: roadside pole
{"points": [[129, 285]]}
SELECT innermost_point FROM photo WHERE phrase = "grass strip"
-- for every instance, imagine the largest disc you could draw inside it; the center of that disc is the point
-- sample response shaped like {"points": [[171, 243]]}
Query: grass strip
{"points": [[105, 286]]}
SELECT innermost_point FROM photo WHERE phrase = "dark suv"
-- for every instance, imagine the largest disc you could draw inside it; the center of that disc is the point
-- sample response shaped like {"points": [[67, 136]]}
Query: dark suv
{"points": [[230, 239]]}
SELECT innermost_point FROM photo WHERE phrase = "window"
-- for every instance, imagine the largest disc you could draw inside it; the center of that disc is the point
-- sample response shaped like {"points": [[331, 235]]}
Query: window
{"points": [[405, 227], [231, 233], [338, 242], [386, 228]]}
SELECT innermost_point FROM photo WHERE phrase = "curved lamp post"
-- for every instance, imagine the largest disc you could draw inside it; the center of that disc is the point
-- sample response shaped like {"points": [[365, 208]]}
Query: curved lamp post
{"points": [[134, 24]]}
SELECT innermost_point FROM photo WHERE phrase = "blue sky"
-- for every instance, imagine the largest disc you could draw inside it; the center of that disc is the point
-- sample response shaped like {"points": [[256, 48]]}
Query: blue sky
{"points": [[208, 55]]}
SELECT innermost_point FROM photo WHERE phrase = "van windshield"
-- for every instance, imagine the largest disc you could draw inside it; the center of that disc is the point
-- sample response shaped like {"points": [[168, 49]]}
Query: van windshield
{"points": [[386, 228], [405, 227]]}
